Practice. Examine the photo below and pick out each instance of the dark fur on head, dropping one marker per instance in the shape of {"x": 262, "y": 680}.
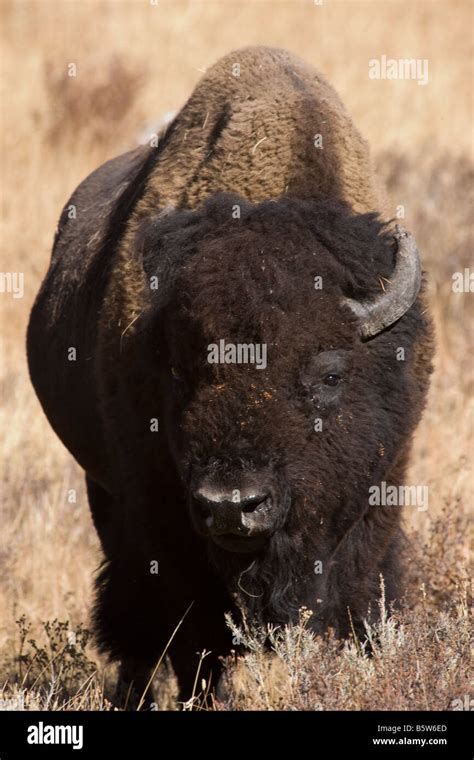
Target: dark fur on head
{"x": 252, "y": 279}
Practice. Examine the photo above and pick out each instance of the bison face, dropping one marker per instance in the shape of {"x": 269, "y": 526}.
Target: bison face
{"x": 277, "y": 413}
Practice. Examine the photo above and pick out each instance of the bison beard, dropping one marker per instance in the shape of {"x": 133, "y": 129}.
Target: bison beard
{"x": 300, "y": 532}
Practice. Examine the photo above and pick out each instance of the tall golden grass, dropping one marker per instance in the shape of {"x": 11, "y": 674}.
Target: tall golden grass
{"x": 136, "y": 61}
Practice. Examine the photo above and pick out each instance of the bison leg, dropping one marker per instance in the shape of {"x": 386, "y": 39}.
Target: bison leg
{"x": 204, "y": 631}
{"x": 132, "y": 691}
{"x": 133, "y": 675}
{"x": 190, "y": 673}
{"x": 136, "y": 612}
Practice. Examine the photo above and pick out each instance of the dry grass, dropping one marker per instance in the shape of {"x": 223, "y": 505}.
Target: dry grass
{"x": 134, "y": 63}
{"x": 413, "y": 660}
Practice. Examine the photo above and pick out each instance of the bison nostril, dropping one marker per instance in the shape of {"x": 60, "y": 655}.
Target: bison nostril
{"x": 220, "y": 511}
{"x": 252, "y": 503}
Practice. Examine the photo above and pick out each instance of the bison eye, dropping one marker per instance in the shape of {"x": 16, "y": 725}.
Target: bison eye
{"x": 332, "y": 379}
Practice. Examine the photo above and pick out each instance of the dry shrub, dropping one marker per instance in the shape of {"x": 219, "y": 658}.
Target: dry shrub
{"x": 437, "y": 564}
{"x": 53, "y": 670}
{"x": 412, "y": 660}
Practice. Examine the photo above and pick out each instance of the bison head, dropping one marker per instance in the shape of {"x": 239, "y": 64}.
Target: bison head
{"x": 284, "y": 334}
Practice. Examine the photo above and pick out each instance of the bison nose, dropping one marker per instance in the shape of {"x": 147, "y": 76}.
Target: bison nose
{"x": 240, "y": 512}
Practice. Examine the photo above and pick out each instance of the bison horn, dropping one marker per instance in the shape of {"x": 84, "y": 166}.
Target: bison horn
{"x": 374, "y": 316}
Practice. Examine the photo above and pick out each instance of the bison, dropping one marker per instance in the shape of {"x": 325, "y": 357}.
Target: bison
{"x": 232, "y": 341}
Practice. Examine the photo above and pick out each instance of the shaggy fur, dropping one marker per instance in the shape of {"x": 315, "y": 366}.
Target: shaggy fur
{"x": 241, "y": 142}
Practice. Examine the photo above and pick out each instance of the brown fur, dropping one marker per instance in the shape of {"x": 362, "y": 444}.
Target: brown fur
{"x": 264, "y": 150}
